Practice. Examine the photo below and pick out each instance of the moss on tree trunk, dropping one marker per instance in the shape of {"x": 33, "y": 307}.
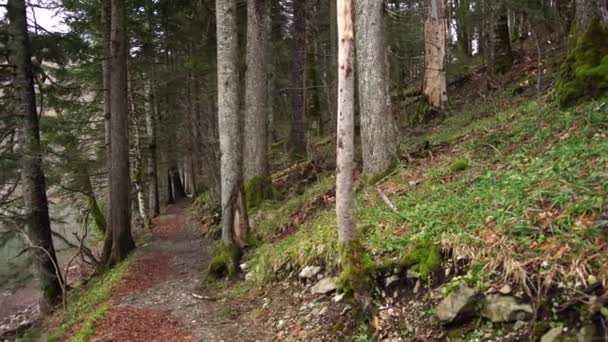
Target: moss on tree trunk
{"x": 584, "y": 72}
{"x": 357, "y": 268}
{"x": 259, "y": 189}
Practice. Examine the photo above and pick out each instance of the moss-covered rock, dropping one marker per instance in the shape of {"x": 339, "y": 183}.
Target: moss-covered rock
{"x": 259, "y": 189}
{"x": 226, "y": 262}
{"x": 459, "y": 165}
{"x": 423, "y": 257}
{"x": 584, "y": 72}
{"x": 357, "y": 268}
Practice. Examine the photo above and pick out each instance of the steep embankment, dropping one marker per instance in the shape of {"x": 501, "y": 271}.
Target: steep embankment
{"x": 509, "y": 196}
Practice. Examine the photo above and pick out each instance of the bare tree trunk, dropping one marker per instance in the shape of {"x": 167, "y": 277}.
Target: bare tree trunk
{"x": 120, "y": 214}
{"x": 228, "y": 123}
{"x": 378, "y": 130}
{"x": 36, "y": 211}
{"x": 139, "y": 177}
{"x": 297, "y": 135}
{"x": 256, "y": 93}
{"x": 587, "y": 11}
{"x": 434, "y": 85}
{"x": 347, "y": 231}
{"x": 91, "y": 201}
{"x": 151, "y": 118}
{"x": 178, "y": 187}
{"x": 501, "y": 41}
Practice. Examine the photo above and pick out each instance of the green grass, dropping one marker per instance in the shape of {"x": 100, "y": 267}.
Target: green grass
{"x": 533, "y": 173}
{"x": 84, "y": 306}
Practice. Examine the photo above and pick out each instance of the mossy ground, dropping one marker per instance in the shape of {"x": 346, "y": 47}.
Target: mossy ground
{"x": 259, "y": 189}
{"x": 357, "y": 268}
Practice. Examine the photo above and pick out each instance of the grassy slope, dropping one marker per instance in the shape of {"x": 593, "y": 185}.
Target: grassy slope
{"x": 529, "y": 202}
{"x": 85, "y": 306}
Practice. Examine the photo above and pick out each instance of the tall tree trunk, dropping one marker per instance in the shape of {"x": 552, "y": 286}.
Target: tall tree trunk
{"x": 297, "y": 135}
{"x": 347, "y": 231}
{"x": 106, "y": 29}
{"x": 151, "y": 117}
{"x": 170, "y": 198}
{"x": 229, "y": 127}
{"x": 139, "y": 176}
{"x": 434, "y": 85}
{"x": 33, "y": 187}
{"x": 378, "y": 130}
{"x": 587, "y": 11}
{"x": 501, "y": 42}
{"x": 178, "y": 187}
{"x": 120, "y": 214}
{"x": 256, "y": 167}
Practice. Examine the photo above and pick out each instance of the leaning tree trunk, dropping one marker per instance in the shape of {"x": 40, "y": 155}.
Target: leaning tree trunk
{"x": 297, "y": 135}
{"x": 378, "y": 131}
{"x": 256, "y": 170}
{"x": 36, "y": 211}
{"x": 434, "y": 86}
{"x": 120, "y": 214}
{"x": 347, "y": 231}
{"x": 233, "y": 226}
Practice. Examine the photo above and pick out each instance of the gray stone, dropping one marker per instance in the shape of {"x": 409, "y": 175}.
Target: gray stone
{"x": 458, "y": 303}
{"x": 391, "y": 280}
{"x": 499, "y": 308}
{"x": 309, "y": 272}
{"x": 338, "y": 297}
{"x": 588, "y": 333}
{"x": 505, "y": 289}
{"x": 324, "y": 286}
{"x": 552, "y": 335}
{"x": 411, "y": 274}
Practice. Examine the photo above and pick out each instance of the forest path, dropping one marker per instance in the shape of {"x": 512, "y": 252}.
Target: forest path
{"x": 161, "y": 298}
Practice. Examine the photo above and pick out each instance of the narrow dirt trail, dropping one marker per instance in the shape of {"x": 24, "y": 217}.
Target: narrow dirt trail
{"x": 161, "y": 298}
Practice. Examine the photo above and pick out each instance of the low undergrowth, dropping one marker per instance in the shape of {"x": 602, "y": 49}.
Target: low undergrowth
{"x": 521, "y": 193}
{"x": 84, "y": 307}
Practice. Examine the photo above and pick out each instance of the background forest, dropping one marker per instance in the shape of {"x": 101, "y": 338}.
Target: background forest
{"x": 381, "y": 170}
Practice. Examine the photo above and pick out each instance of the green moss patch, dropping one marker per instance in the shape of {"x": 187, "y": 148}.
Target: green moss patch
{"x": 259, "y": 189}
{"x": 226, "y": 261}
{"x": 584, "y": 72}
{"x": 423, "y": 257}
{"x": 357, "y": 268}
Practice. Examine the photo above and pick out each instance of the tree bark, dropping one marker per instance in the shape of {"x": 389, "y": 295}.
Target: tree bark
{"x": 297, "y": 135}
{"x": 434, "y": 86}
{"x": 36, "y": 211}
{"x": 178, "y": 187}
{"x": 229, "y": 123}
{"x": 151, "y": 117}
{"x": 106, "y": 28}
{"x": 256, "y": 91}
{"x": 346, "y": 125}
{"x": 120, "y": 214}
{"x": 501, "y": 42}
{"x": 378, "y": 130}
{"x": 587, "y": 11}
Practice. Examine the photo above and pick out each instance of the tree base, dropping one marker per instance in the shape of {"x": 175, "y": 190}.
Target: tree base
{"x": 259, "y": 189}
{"x": 226, "y": 262}
{"x": 357, "y": 269}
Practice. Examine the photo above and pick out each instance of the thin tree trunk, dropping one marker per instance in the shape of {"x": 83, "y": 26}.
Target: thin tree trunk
{"x": 106, "y": 28}
{"x": 297, "y": 135}
{"x": 378, "y": 130}
{"x": 170, "y": 198}
{"x": 120, "y": 214}
{"x": 178, "y": 187}
{"x": 151, "y": 118}
{"x": 256, "y": 91}
{"x": 347, "y": 232}
{"x": 33, "y": 187}
{"x": 434, "y": 85}
{"x": 91, "y": 201}
{"x": 228, "y": 123}
{"x": 501, "y": 41}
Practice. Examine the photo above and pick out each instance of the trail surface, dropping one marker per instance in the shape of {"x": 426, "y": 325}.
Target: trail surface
{"x": 161, "y": 298}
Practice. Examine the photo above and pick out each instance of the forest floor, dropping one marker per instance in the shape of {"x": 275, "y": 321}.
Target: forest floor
{"x": 160, "y": 298}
